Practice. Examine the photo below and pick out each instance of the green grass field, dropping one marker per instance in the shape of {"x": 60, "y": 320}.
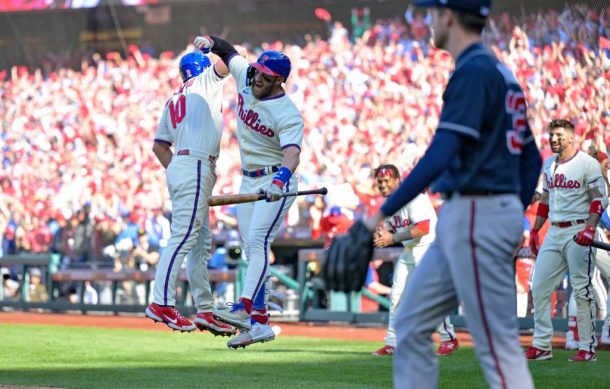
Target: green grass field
{"x": 74, "y": 357}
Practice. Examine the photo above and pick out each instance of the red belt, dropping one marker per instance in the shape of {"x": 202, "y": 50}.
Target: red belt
{"x": 568, "y": 224}
{"x": 197, "y": 154}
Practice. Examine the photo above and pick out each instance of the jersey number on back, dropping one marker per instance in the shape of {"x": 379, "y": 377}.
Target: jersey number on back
{"x": 177, "y": 110}
{"x": 516, "y": 107}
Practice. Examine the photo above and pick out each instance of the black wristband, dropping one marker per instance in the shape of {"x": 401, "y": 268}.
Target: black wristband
{"x": 223, "y": 49}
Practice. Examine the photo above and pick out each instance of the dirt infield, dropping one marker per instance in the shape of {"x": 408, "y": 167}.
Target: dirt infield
{"x": 313, "y": 330}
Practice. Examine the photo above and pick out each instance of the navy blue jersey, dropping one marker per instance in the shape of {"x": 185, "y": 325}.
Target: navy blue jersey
{"x": 484, "y": 103}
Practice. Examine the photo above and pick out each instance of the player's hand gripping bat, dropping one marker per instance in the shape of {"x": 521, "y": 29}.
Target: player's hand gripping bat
{"x": 249, "y": 197}
{"x": 598, "y": 245}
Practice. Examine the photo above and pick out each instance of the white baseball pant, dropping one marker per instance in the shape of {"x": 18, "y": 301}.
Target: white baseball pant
{"x": 190, "y": 182}
{"x": 558, "y": 254}
{"x": 403, "y": 269}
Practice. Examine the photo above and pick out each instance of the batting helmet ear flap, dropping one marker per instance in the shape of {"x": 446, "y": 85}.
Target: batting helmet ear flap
{"x": 250, "y": 75}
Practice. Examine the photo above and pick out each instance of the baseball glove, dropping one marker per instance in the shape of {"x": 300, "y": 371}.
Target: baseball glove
{"x": 347, "y": 259}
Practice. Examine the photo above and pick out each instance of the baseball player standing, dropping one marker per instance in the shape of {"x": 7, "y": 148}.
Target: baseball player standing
{"x": 602, "y": 258}
{"x": 192, "y": 122}
{"x": 413, "y": 226}
{"x": 484, "y": 160}
{"x": 270, "y": 132}
{"x": 573, "y": 199}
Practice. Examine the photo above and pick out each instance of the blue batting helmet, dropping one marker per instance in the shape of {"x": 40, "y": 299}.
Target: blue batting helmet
{"x": 273, "y": 63}
{"x": 193, "y": 64}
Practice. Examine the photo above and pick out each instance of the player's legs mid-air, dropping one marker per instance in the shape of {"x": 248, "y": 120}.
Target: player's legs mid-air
{"x": 190, "y": 181}
{"x": 258, "y": 223}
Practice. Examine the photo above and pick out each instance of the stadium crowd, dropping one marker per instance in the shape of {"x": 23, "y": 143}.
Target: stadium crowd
{"x": 78, "y": 175}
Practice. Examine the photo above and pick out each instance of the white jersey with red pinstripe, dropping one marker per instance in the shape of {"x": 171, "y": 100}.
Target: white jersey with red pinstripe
{"x": 567, "y": 184}
{"x": 192, "y": 117}
{"x": 192, "y": 122}
{"x": 420, "y": 209}
{"x": 264, "y": 129}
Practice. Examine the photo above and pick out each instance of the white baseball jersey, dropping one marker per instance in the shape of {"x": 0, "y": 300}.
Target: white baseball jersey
{"x": 191, "y": 120}
{"x": 568, "y": 183}
{"x": 418, "y": 210}
{"x": 264, "y": 127}
{"x": 194, "y": 123}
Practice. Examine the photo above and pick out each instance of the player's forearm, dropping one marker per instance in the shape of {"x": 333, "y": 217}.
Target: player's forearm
{"x": 539, "y": 222}
{"x": 163, "y": 153}
{"x": 593, "y": 219}
{"x": 401, "y": 236}
{"x": 292, "y": 158}
{"x": 223, "y": 49}
{"x": 415, "y": 232}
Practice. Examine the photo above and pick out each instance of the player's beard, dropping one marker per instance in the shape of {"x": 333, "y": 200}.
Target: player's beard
{"x": 262, "y": 91}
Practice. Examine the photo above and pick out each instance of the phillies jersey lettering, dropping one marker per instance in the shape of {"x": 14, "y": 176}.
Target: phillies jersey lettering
{"x": 418, "y": 210}
{"x": 396, "y": 222}
{"x": 560, "y": 181}
{"x": 568, "y": 182}
{"x": 264, "y": 127}
{"x": 250, "y": 119}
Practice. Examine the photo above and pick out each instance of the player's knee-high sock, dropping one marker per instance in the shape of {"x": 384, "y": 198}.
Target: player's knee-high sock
{"x": 259, "y": 310}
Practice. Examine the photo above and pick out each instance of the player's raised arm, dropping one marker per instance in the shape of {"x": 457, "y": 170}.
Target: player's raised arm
{"x": 216, "y": 45}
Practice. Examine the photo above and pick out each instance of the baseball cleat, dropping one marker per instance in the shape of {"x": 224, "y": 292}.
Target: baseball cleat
{"x": 260, "y": 333}
{"x": 236, "y": 316}
{"x": 386, "y": 350}
{"x": 536, "y": 354}
{"x": 447, "y": 348}
{"x": 170, "y": 316}
{"x": 583, "y": 356}
{"x": 205, "y": 321}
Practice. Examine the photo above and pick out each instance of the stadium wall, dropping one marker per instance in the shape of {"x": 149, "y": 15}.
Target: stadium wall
{"x": 27, "y": 38}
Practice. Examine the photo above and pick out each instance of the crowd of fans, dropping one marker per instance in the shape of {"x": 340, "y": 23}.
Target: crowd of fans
{"x": 78, "y": 176}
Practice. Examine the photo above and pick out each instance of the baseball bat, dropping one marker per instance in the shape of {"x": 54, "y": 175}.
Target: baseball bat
{"x": 601, "y": 245}
{"x": 249, "y": 197}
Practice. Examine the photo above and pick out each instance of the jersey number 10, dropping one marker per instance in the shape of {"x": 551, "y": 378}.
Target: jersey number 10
{"x": 177, "y": 110}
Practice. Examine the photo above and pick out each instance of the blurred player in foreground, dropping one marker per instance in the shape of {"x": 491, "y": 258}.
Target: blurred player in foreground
{"x": 484, "y": 160}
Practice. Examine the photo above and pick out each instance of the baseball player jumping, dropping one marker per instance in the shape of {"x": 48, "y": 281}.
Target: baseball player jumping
{"x": 270, "y": 132}
{"x": 413, "y": 226}
{"x": 573, "y": 199}
{"x": 192, "y": 122}
{"x": 484, "y": 160}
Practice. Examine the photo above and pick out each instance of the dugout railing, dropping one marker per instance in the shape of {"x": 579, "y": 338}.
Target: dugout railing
{"x": 55, "y": 278}
{"x": 308, "y": 286}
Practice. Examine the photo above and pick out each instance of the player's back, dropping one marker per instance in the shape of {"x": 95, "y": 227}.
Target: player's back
{"x": 193, "y": 115}
{"x": 489, "y": 107}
